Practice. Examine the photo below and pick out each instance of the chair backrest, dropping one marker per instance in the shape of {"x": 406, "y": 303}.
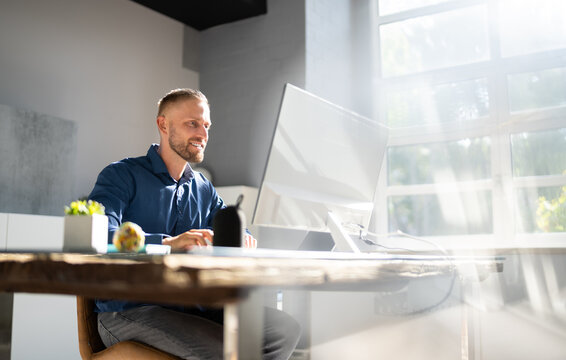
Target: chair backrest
{"x": 89, "y": 340}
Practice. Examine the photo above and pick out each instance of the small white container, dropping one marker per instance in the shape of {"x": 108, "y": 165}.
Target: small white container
{"x": 86, "y": 233}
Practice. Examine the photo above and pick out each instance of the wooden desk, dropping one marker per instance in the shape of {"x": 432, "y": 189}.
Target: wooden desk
{"x": 215, "y": 279}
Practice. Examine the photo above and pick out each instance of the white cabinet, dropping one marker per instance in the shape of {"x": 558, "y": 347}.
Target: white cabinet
{"x": 34, "y": 232}
{"x": 3, "y": 231}
{"x": 43, "y": 326}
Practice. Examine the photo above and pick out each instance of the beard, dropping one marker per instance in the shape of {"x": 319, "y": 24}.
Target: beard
{"x": 185, "y": 150}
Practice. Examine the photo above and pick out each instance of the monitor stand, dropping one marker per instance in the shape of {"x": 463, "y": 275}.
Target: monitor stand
{"x": 342, "y": 241}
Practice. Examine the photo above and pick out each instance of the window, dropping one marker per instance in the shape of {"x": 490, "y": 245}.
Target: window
{"x": 541, "y": 158}
{"x": 474, "y": 93}
{"x": 537, "y": 90}
{"x": 528, "y": 26}
{"x": 434, "y": 41}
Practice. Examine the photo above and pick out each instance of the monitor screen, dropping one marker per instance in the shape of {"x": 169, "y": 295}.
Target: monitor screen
{"x": 323, "y": 159}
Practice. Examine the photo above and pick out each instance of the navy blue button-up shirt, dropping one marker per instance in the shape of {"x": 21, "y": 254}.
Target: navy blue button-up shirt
{"x": 141, "y": 190}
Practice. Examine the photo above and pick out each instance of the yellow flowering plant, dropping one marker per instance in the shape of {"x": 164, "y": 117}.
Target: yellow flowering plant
{"x": 84, "y": 207}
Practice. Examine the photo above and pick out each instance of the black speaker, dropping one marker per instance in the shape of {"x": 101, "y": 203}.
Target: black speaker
{"x": 229, "y": 225}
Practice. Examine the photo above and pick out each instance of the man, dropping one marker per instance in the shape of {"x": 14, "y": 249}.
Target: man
{"x": 174, "y": 206}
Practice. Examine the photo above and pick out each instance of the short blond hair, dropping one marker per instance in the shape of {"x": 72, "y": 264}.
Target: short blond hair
{"x": 176, "y": 95}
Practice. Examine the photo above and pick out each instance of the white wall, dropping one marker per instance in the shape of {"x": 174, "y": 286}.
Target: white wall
{"x": 50, "y": 320}
{"x": 101, "y": 63}
{"x": 48, "y": 323}
{"x": 339, "y": 52}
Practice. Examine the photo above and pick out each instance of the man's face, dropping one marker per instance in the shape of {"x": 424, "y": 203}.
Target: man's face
{"x": 189, "y": 121}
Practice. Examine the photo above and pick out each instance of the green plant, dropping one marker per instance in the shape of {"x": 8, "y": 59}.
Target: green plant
{"x": 84, "y": 207}
{"x": 551, "y": 214}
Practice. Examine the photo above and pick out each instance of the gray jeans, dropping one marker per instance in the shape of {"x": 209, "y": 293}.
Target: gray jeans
{"x": 193, "y": 334}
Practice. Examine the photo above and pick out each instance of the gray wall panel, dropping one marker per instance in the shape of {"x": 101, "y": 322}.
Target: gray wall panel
{"x": 37, "y": 157}
{"x": 243, "y": 68}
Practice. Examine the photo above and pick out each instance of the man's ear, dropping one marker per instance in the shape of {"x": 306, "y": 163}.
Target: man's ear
{"x": 162, "y": 124}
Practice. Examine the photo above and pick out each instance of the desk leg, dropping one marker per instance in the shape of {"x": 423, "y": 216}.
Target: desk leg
{"x": 6, "y": 310}
{"x": 471, "y": 327}
{"x": 243, "y": 328}
{"x": 467, "y": 334}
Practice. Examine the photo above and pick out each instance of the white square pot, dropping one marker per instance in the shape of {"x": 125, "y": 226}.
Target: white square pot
{"x": 86, "y": 233}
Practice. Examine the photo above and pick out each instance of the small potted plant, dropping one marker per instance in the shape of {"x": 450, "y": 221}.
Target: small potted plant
{"x": 86, "y": 227}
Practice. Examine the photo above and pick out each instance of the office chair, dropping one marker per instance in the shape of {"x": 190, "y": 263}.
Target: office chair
{"x": 91, "y": 346}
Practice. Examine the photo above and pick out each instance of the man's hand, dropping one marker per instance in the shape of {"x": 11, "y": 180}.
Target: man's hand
{"x": 190, "y": 239}
{"x": 201, "y": 237}
{"x": 249, "y": 242}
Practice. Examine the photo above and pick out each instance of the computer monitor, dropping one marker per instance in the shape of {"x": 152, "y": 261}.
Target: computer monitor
{"x": 322, "y": 169}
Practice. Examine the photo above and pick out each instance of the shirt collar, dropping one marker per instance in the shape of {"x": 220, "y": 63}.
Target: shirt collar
{"x": 188, "y": 174}
{"x": 159, "y": 167}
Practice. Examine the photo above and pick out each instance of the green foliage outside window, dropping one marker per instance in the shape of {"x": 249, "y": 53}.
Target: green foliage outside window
{"x": 551, "y": 213}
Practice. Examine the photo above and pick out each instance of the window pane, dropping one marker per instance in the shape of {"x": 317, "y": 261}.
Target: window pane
{"x": 536, "y": 90}
{"x": 539, "y": 153}
{"x": 457, "y": 101}
{"x": 467, "y": 159}
{"x": 542, "y": 209}
{"x": 394, "y": 6}
{"x": 435, "y": 41}
{"x": 528, "y": 26}
{"x": 442, "y": 214}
